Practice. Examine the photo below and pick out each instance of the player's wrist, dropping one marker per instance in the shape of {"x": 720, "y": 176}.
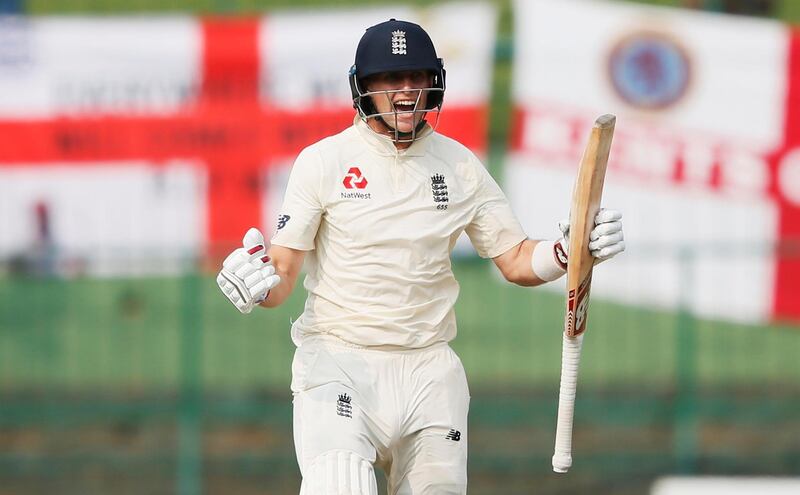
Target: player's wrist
{"x": 549, "y": 260}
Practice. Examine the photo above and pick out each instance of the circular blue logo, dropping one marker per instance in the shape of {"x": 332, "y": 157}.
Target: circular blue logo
{"x": 649, "y": 70}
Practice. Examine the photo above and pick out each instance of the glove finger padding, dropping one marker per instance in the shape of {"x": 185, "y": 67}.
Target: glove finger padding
{"x": 253, "y": 242}
{"x": 258, "y": 280}
{"x": 235, "y": 260}
{"x": 604, "y": 229}
{"x": 261, "y": 261}
{"x": 606, "y": 240}
{"x": 263, "y": 285}
{"x": 245, "y": 270}
{"x": 253, "y": 237}
{"x": 605, "y": 216}
{"x": 609, "y": 251}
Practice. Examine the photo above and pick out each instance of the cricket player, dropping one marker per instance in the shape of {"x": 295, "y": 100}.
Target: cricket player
{"x": 374, "y": 212}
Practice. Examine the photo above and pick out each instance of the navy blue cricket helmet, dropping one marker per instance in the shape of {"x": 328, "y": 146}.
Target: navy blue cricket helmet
{"x": 394, "y": 46}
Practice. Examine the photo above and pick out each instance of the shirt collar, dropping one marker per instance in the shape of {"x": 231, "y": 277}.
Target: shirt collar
{"x": 383, "y": 145}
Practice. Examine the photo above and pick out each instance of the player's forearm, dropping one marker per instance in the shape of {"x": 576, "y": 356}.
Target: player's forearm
{"x": 287, "y": 263}
{"x": 515, "y": 264}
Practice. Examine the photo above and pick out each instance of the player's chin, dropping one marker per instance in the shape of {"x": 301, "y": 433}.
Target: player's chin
{"x": 401, "y": 127}
{"x": 408, "y": 123}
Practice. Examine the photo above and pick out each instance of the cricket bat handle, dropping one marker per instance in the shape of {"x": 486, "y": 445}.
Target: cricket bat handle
{"x": 570, "y": 358}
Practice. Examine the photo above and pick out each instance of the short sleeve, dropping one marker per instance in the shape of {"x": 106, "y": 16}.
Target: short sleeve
{"x": 300, "y": 214}
{"x": 494, "y": 229}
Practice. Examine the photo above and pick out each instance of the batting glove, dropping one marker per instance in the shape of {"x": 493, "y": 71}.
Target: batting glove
{"x": 605, "y": 240}
{"x": 247, "y": 273}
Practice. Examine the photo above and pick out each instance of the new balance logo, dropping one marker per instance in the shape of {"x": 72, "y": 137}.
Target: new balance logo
{"x": 343, "y": 406}
{"x": 282, "y": 219}
{"x": 453, "y": 435}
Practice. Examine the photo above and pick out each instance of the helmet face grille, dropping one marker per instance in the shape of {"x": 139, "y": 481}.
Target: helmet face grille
{"x": 395, "y": 46}
{"x": 366, "y": 110}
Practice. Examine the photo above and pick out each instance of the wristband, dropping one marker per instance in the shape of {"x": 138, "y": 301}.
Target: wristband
{"x": 546, "y": 261}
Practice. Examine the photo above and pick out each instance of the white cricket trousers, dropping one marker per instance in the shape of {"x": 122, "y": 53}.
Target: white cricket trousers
{"x": 404, "y": 411}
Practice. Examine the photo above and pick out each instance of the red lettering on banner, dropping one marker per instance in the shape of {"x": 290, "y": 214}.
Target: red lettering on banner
{"x": 230, "y": 130}
{"x": 655, "y": 155}
{"x": 648, "y": 154}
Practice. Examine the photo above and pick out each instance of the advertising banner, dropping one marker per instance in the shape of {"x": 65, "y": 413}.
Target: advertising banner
{"x": 228, "y": 102}
{"x": 706, "y": 157}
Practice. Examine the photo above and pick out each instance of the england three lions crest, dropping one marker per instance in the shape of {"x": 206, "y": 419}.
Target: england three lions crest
{"x": 439, "y": 191}
{"x": 398, "y": 42}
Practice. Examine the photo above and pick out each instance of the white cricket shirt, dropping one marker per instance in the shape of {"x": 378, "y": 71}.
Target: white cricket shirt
{"x": 380, "y": 225}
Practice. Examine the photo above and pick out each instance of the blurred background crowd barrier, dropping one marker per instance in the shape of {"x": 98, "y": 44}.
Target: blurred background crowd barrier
{"x": 139, "y": 141}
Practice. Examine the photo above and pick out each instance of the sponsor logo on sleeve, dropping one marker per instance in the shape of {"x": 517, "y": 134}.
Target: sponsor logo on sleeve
{"x": 282, "y": 220}
{"x": 453, "y": 435}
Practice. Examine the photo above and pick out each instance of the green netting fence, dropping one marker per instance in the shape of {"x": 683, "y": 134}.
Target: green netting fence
{"x": 157, "y": 385}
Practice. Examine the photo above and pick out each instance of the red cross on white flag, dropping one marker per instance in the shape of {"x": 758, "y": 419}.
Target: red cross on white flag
{"x": 160, "y": 132}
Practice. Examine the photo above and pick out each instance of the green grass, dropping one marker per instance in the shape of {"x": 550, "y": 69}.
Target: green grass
{"x": 155, "y": 333}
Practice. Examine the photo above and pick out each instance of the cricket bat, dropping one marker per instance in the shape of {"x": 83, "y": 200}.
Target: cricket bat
{"x": 585, "y": 203}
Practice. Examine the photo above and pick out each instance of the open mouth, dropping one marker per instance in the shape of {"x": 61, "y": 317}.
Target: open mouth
{"x": 404, "y": 105}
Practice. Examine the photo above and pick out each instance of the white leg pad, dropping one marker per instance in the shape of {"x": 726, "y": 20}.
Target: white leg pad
{"x": 339, "y": 472}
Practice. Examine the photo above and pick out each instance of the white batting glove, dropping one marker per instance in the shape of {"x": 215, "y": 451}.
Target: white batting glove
{"x": 247, "y": 273}
{"x": 605, "y": 240}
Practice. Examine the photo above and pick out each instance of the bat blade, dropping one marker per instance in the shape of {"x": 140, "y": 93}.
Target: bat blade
{"x": 586, "y": 198}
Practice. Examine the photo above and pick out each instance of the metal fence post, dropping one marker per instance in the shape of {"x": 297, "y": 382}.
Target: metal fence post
{"x": 685, "y": 420}
{"x": 189, "y": 475}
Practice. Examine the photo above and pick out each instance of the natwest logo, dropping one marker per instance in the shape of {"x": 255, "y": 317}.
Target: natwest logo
{"x": 353, "y": 179}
